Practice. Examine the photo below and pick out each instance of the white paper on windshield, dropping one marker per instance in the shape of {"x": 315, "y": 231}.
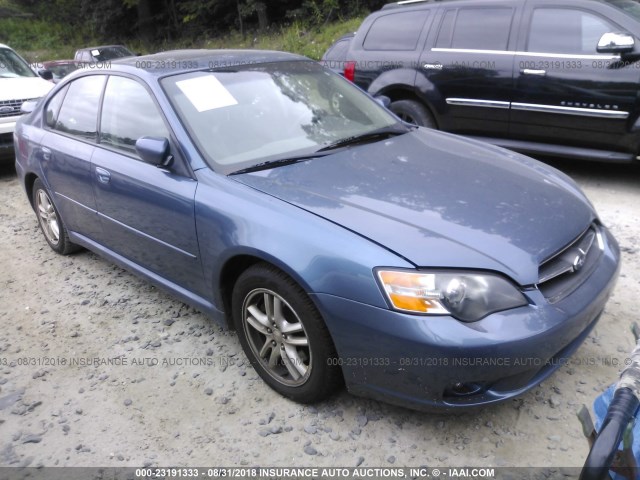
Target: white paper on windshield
{"x": 206, "y": 93}
{"x": 95, "y": 53}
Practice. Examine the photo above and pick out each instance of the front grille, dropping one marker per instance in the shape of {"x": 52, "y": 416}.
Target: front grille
{"x": 11, "y": 108}
{"x": 567, "y": 270}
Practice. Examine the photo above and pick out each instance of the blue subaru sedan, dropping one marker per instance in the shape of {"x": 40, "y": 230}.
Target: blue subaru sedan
{"x": 344, "y": 246}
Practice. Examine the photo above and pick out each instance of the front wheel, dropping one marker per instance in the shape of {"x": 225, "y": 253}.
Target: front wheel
{"x": 284, "y": 336}
{"x": 51, "y": 224}
{"x": 413, "y": 112}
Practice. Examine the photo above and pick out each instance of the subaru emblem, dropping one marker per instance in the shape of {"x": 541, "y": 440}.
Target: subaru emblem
{"x": 578, "y": 261}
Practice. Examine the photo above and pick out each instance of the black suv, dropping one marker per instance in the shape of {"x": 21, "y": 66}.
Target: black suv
{"x": 539, "y": 76}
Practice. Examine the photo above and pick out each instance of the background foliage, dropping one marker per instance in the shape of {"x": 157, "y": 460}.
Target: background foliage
{"x": 50, "y": 29}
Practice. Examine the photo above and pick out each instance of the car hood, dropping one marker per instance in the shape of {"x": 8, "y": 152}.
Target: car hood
{"x": 23, "y": 88}
{"x": 439, "y": 200}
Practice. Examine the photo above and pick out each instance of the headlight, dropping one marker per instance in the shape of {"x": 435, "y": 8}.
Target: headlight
{"x": 467, "y": 296}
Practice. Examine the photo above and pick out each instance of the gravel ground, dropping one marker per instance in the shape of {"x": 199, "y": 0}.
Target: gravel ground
{"x": 187, "y": 397}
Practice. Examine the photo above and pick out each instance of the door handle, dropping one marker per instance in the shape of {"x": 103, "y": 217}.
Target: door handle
{"x": 46, "y": 153}
{"x": 528, "y": 71}
{"x": 103, "y": 175}
{"x": 432, "y": 66}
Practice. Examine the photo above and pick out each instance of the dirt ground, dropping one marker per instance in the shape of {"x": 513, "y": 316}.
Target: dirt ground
{"x": 186, "y": 396}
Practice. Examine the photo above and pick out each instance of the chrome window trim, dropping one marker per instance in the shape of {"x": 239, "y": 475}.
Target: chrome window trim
{"x": 528, "y": 54}
{"x": 586, "y": 112}
{"x": 471, "y": 102}
{"x": 569, "y": 55}
{"x": 469, "y": 50}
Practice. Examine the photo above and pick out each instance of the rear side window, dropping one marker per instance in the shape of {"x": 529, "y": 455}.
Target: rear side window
{"x": 339, "y": 50}
{"x": 563, "y": 30}
{"x": 79, "y": 112}
{"x": 396, "y": 31}
{"x": 475, "y": 28}
{"x": 128, "y": 113}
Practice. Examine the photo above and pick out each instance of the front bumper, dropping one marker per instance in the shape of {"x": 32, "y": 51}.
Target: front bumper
{"x": 7, "y": 125}
{"x": 439, "y": 363}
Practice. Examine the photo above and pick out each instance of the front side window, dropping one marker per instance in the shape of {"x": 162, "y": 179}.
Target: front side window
{"x": 475, "y": 29}
{"x": 397, "y": 31}
{"x": 446, "y": 29}
{"x": 13, "y": 66}
{"x": 630, "y": 7}
{"x": 568, "y": 31}
{"x": 128, "y": 113}
{"x": 256, "y": 113}
{"x": 79, "y": 112}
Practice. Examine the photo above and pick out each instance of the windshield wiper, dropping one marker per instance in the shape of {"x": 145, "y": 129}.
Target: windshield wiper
{"x": 326, "y": 150}
{"x": 365, "y": 137}
{"x": 279, "y": 162}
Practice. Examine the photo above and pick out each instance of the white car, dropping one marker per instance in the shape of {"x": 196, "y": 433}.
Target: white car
{"x": 18, "y": 83}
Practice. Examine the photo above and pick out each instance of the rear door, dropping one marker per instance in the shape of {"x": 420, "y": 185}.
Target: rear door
{"x": 147, "y": 213}
{"x": 468, "y": 63}
{"x": 66, "y": 152}
{"x": 566, "y": 92}
{"x": 386, "y": 49}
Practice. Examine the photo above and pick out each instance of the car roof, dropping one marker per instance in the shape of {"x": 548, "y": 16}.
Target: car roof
{"x": 58, "y": 62}
{"x": 419, "y": 3}
{"x": 408, "y": 3}
{"x": 180, "y": 61}
{"x": 102, "y": 46}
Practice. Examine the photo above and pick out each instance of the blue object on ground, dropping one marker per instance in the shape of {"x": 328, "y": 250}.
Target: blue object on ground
{"x": 600, "y": 407}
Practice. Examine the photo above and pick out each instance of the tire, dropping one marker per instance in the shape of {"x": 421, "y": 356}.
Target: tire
{"x": 413, "y": 112}
{"x": 50, "y": 221}
{"x": 309, "y": 371}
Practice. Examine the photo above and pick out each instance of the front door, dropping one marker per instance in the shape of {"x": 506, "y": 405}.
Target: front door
{"x": 147, "y": 213}
{"x": 566, "y": 92}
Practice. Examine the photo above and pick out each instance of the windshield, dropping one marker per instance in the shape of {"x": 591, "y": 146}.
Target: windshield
{"x": 13, "y": 66}
{"x": 631, "y": 7}
{"x": 61, "y": 70}
{"x": 110, "y": 53}
{"x": 258, "y": 113}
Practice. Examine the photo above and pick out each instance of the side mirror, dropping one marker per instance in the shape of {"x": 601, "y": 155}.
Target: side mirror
{"x": 154, "y": 151}
{"x": 383, "y": 100}
{"x": 615, "y": 43}
{"x": 46, "y": 74}
{"x": 28, "y": 106}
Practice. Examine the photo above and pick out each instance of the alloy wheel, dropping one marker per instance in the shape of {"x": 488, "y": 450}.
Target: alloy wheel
{"x": 277, "y": 337}
{"x": 47, "y": 217}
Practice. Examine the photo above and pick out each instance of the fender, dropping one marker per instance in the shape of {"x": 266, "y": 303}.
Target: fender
{"x": 396, "y": 84}
{"x": 398, "y": 78}
{"x": 222, "y": 207}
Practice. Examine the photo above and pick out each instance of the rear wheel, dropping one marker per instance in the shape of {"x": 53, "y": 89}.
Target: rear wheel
{"x": 413, "y": 112}
{"x": 284, "y": 336}
{"x": 51, "y": 224}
